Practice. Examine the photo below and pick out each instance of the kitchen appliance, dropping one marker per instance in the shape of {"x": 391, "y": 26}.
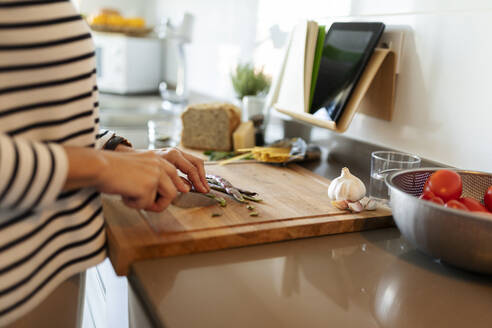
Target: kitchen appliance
{"x": 177, "y": 35}
{"x": 126, "y": 64}
{"x": 454, "y": 236}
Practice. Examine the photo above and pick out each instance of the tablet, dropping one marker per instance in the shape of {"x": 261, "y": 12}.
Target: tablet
{"x": 346, "y": 51}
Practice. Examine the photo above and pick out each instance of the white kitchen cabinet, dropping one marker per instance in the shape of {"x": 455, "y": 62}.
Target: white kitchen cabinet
{"x": 106, "y": 298}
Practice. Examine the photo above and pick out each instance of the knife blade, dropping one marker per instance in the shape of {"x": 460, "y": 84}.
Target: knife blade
{"x": 193, "y": 199}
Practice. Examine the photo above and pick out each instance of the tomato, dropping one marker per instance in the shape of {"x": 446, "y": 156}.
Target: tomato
{"x": 427, "y": 195}
{"x": 437, "y": 200}
{"x": 446, "y": 184}
{"x": 487, "y": 199}
{"x": 472, "y": 204}
{"x": 453, "y": 203}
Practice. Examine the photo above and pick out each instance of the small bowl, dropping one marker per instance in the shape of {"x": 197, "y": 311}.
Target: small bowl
{"x": 457, "y": 237}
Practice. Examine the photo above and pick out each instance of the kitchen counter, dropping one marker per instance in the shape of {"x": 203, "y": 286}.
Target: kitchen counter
{"x": 367, "y": 279}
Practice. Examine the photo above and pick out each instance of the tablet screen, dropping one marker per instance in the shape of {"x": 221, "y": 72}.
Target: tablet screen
{"x": 345, "y": 54}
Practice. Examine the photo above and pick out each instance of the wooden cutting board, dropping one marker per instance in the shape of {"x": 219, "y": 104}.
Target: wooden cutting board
{"x": 295, "y": 205}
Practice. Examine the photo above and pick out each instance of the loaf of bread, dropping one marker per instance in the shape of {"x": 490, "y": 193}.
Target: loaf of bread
{"x": 209, "y": 126}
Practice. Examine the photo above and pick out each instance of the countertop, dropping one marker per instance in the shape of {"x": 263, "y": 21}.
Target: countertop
{"x": 367, "y": 279}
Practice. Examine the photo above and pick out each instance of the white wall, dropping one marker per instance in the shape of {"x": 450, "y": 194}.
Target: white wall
{"x": 443, "y": 104}
{"x": 443, "y": 110}
{"x": 223, "y": 31}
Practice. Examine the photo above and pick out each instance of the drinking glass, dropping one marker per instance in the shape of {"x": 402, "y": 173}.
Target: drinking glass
{"x": 385, "y": 162}
{"x": 164, "y": 133}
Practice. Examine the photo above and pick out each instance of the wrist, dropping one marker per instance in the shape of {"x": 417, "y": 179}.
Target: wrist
{"x": 124, "y": 148}
{"x": 103, "y": 164}
{"x": 116, "y": 141}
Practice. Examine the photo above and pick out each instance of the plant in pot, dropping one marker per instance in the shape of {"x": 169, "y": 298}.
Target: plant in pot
{"x": 251, "y": 86}
{"x": 249, "y": 81}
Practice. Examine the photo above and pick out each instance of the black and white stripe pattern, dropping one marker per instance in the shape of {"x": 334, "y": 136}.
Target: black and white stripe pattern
{"x": 48, "y": 99}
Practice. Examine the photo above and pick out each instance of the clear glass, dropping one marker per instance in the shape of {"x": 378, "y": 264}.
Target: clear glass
{"x": 165, "y": 132}
{"x": 384, "y": 162}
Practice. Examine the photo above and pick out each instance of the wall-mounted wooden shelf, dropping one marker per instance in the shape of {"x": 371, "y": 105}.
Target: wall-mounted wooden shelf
{"x": 374, "y": 94}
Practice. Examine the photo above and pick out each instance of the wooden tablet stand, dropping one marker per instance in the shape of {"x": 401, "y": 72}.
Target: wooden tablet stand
{"x": 373, "y": 95}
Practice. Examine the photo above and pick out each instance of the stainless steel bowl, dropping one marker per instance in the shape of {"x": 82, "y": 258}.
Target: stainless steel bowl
{"x": 460, "y": 238}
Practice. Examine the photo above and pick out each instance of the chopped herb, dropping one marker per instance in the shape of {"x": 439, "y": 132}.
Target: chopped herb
{"x": 216, "y": 214}
{"x": 250, "y": 156}
{"x": 253, "y": 214}
{"x": 214, "y": 155}
{"x": 250, "y": 207}
{"x": 222, "y": 202}
{"x": 253, "y": 198}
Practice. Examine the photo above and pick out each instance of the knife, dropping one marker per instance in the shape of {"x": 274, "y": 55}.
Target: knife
{"x": 193, "y": 199}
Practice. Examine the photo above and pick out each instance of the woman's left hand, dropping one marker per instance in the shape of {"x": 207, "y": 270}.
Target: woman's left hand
{"x": 190, "y": 165}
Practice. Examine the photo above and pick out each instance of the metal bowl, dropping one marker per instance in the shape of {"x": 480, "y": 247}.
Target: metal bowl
{"x": 457, "y": 237}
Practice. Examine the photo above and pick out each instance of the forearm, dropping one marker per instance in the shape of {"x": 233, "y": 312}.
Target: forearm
{"x": 85, "y": 167}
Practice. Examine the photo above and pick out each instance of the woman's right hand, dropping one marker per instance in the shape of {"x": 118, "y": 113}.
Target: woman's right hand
{"x": 144, "y": 179}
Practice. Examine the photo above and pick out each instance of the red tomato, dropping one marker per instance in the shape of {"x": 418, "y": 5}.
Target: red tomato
{"x": 472, "y": 204}
{"x": 437, "y": 200}
{"x": 487, "y": 199}
{"x": 427, "y": 195}
{"x": 453, "y": 203}
{"x": 446, "y": 184}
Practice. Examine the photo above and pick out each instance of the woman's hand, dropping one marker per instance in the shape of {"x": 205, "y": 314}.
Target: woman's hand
{"x": 145, "y": 180}
{"x": 191, "y": 165}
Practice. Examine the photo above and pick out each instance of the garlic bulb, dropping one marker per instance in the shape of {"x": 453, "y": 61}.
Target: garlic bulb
{"x": 346, "y": 187}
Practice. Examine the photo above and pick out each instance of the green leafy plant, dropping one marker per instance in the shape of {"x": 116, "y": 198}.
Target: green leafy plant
{"x": 248, "y": 81}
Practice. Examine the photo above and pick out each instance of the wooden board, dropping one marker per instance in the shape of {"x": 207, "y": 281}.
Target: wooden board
{"x": 295, "y": 205}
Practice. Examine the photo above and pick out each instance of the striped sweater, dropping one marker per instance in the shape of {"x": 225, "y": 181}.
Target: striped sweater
{"x": 48, "y": 98}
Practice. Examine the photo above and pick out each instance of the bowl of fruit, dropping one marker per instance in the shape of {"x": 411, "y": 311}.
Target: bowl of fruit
{"x": 446, "y": 213}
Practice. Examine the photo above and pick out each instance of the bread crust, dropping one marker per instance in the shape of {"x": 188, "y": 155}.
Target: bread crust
{"x": 204, "y": 127}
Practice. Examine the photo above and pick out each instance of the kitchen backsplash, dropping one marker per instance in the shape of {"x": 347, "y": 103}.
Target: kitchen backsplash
{"x": 443, "y": 108}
